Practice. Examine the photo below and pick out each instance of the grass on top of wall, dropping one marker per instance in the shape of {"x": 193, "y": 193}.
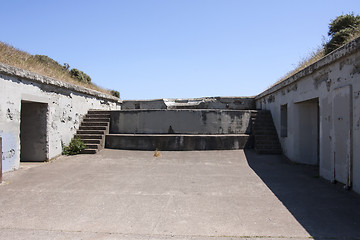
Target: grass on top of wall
{"x": 42, "y": 65}
{"x": 342, "y": 30}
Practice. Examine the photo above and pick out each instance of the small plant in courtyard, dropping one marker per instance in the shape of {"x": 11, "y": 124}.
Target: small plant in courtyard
{"x": 157, "y": 153}
{"x": 75, "y": 147}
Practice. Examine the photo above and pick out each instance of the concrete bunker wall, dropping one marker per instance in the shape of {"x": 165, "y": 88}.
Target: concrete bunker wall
{"x": 32, "y": 97}
{"x": 181, "y": 121}
{"x": 322, "y": 108}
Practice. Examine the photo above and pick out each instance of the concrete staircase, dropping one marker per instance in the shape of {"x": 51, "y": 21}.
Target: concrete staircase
{"x": 92, "y": 131}
{"x": 266, "y": 140}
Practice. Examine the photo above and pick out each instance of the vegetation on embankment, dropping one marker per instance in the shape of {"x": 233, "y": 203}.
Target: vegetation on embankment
{"x": 46, "y": 66}
{"x": 342, "y": 30}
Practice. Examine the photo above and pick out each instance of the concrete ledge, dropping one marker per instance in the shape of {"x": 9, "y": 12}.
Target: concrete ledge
{"x": 177, "y": 142}
{"x": 24, "y": 74}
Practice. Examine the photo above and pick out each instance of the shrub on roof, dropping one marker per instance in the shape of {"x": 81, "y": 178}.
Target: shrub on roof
{"x": 341, "y": 30}
{"x": 115, "y": 93}
{"x": 80, "y": 75}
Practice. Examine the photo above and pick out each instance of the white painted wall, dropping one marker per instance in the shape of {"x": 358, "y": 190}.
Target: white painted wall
{"x": 338, "y": 70}
{"x": 66, "y": 103}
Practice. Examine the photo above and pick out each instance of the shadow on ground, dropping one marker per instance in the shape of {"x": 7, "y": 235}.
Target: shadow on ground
{"x": 325, "y": 210}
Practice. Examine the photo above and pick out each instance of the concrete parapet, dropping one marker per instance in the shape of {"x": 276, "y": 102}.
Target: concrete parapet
{"x": 143, "y": 104}
{"x": 231, "y": 103}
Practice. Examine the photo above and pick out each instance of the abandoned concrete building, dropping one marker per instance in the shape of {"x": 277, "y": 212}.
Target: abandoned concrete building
{"x": 312, "y": 117}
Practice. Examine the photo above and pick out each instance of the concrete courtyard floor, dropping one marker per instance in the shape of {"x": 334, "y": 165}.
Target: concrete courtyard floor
{"x": 199, "y": 195}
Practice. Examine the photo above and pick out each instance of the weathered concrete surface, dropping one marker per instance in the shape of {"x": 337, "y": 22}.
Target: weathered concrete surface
{"x": 189, "y": 121}
{"x": 322, "y": 105}
{"x": 181, "y": 195}
{"x": 63, "y": 106}
{"x": 178, "y": 142}
{"x": 143, "y": 104}
{"x": 233, "y": 103}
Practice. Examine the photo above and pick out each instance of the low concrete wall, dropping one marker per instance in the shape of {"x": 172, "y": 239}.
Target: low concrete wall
{"x": 64, "y": 104}
{"x": 317, "y": 115}
{"x": 181, "y": 121}
{"x": 177, "y": 142}
{"x": 231, "y": 103}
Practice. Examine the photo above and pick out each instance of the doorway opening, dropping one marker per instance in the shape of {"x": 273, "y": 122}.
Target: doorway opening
{"x": 308, "y": 131}
{"x": 33, "y": 132}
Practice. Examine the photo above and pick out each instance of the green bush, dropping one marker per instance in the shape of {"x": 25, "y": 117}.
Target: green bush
{"x": 47, "y": 61}
{"x": 115, "y": 93}
{"x": 80, "y": 75}
{"x": 341, "y": 30}
{"x": 75, "y": 147}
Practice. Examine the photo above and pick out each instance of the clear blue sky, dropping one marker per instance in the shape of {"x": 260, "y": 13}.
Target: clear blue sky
{"x": 150, "y": 49}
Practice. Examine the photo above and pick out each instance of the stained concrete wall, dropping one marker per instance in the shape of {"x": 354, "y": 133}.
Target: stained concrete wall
{"x": 181, "y": 121}
{"x": 231, "y": 103}
{"x": 66, "y": 104}
{"x": 331, "y": 141}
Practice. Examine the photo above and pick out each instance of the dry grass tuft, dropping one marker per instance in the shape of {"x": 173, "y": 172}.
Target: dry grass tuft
{"x": 33, "y": 63}
{"x": 313, "y": 57}
{"x": 157, "y": 153}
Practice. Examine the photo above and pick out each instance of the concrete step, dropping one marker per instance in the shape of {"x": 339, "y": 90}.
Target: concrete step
{"x": 263, "y": 123}
{"x": 92, "y": 130}
{"x": 97, "y": 116}
{"x": 266, "y": 141}
{"x": 92, "y": 141}
{"x": 99, "y": 112}
{"x": 102, "y": 128}
{"x": 265, "y": 132}
{"x": 177, "y": 142}
{"x": 89, "y": 151}
{"x": 266, "y": 137}
{"x": 97, "y": 132}
{"x": 89, "y": 136}
{"x": 263, "y": 113}
{"x": 92, "y": 146}
{"x": 86, "y": 124}
{"x": 96, "y": 119}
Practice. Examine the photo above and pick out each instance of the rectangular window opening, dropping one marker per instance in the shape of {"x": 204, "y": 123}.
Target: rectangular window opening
{"x": 284, "y": 120}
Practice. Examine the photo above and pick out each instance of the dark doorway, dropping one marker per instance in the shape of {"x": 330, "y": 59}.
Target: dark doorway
{"x": 307, "y": 136}
{"x": 33, "y": 132}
